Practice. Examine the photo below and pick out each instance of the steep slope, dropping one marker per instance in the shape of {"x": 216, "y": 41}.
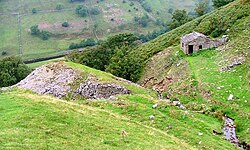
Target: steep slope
{"x": 232, "y": 19}
{"x": 205, "y": 81}
{"x": 125, "y": 122}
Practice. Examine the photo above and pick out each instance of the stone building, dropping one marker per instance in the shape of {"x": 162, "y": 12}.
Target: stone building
{"x": 195, "y": 41}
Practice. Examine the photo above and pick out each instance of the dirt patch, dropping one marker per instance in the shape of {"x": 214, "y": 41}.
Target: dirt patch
{"x": 113, "y": 13}
{"x": 74, "y": 26}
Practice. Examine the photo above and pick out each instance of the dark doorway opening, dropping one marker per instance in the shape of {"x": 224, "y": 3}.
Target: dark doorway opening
{"x": 190, "y": 49}
{"x": 200, "y": 47}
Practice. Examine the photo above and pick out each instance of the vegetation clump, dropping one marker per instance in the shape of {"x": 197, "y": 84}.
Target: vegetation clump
{"x": 83, "y": 44}
{"x": 100, "y": 57}
{"x": 81, "y": 10}
{"x": 59, "y": 6}
{"x": 12, "y": 70}
{"x": 65, "y": 24}
{"x": 44, "y": 35}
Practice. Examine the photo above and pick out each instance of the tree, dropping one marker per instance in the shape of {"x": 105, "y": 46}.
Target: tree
{"x": 34, "y": 30}
{"x": 37, "y": 32}
{"x": 81, "y": 11}
{"x": 179, "y": 17}
{"x": 45, "y": 35}
{"x": 123, "y": 67}
{"x": 12, "y": 70}
{"x": 99, "y": 57}
{"x": 219, "y": 3}
{"x": 202, "y": 7}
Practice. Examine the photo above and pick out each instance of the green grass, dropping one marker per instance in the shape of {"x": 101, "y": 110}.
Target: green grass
{"x": 206, "y": 70}
{"x": 38, "y": 64}
{"x": 36, "y": 121}
{"x": 34, "y": 47}
{"x": 197, "y": 78}
{"x": 9, "y": 35}
{"x": 41, "y": 122}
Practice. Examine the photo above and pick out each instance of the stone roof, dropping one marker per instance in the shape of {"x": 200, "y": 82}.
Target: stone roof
{"x": 191, "y": 36}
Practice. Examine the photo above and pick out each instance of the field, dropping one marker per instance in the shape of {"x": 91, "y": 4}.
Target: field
{"x": 17, "y": 18}
{"x": 42, "y": 121}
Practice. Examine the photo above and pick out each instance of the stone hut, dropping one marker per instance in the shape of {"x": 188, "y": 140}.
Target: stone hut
{"x": 195, "y": 41}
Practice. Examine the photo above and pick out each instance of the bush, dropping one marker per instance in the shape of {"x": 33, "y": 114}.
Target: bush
{"x": 81, "y": 11}
{"x": 59, "y": 6}
{"x": 34, "y": 30}
{"x": 219, "y": 3}
{"x": 82, "y": 44}
{"x": 34, "y": 11}
{"x": 37, "y": 32}
{"x": 12, "y": 70}
{"x": 4, "y": 53}
{"x": 45, "y": 35}
{"x": 65, "y": 24}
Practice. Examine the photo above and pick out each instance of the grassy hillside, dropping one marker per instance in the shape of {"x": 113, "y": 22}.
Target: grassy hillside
{"x": 234, "y": 17}
{"x": 197, "y": 80}
{"x": 16, "y": 38}
{"x": 43, "y": 122}
{"x": 31, "y": 120}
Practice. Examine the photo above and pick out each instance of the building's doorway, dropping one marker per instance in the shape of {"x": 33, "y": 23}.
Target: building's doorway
{"x": 190, "y": 49}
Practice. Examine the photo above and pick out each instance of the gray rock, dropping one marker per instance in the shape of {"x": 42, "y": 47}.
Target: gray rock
{"x": 152, "y": 117}
{"x": 230, "y": 97}
{"x": 155, "y": 106}
{"x": 56, "y": 79}
{"x": 94, "y": 90}
{"x": 235, "y": 62}
{"x": 229, "y": 130}
{"x": 176, "y": 103}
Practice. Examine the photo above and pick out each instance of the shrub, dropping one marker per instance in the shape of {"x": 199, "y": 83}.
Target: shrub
{"x": 65, "y": 24}
{"x": 81, "y": 11}
{"x": 219, "y": 3}
{"x": 34, "y": 10}
{"x": 37, "y": 32}
{"x": 34, "y": 30}
{"x": 82, "y": 44}
{"x": 4, "y": 53}
{"x": 59, "y": 6}
{"x": 12, "y": 70}
{"x": 45, "y": 35}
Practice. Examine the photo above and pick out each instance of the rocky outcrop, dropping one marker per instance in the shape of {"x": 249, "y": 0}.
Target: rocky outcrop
{"x": 54, "y": 79}
{"x": 57, "y": 79}
{"x": 94, "y": 90}
{"x": 235, "y": 62}
{"x": 229, "y": 130}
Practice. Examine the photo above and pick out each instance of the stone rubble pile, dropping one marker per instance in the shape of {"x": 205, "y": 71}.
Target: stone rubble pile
{"x": 57, "y": 79}
{"x": 236, "y": 61}
{"x": 229, "y": 131}
{"x": 54, "y": 79}
{"x": 94, "y": 90}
